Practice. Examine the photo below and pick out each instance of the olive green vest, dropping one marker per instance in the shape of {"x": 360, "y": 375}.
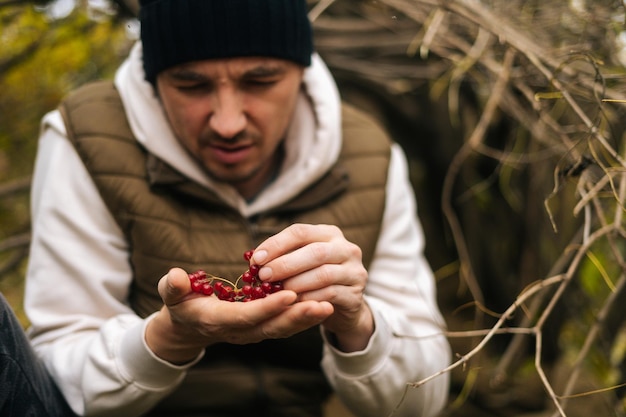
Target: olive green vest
{"x": 168, "y": 220}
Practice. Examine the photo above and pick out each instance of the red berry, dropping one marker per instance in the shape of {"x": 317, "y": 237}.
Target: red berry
{"x": 194, "y": 276}
{"x": 257, "y": 292}
{"x": 247, "y": 277}
{"x": 254, "y": 269}
{"x": 266, "y": 287}
{"x": 207, "y": 289}
{"x": 277, "y": 286}
{"x": 224, "y": 293}
{"x": 196, "y": 285}
{"x": 247, "y": 255}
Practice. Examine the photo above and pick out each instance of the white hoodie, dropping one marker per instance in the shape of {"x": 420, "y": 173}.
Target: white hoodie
{"x": 78, "y": 276}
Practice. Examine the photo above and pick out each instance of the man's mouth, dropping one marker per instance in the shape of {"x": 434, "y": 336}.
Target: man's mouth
{"x": 230, "y": 154}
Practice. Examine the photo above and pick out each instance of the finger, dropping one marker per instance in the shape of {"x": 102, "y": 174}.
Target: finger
{"x": 257, "y": 311}
{"x": 308, "y": 257}
{"x": 250, "y": 314}
{"x": 297, "y": 318}
{"x": 290, "y": 239}
{"x": 316, "y": 255}
{"x": 174, "y": 286}
{"x": 342, "y": 297}
{"x": 312, "y": 267}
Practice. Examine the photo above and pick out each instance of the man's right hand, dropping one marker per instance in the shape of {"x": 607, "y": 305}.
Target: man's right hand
{"x": 188, "y": 322}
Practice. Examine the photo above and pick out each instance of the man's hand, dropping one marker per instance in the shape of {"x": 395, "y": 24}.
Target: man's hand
{"x": 319, "y": 264}
{"x": 188, "y": 322}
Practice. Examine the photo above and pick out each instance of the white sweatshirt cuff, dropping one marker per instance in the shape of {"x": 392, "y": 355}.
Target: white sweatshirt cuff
{"x": 142, "y": 367}
{"x": 366, "y": 361}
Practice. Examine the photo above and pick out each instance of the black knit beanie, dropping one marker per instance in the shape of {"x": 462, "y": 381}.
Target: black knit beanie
{"x": 178, "y": 31}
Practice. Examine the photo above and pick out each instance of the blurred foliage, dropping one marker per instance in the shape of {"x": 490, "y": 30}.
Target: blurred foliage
{"x": 43, "y": 57}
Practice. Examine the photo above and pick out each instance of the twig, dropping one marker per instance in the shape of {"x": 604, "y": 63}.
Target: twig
{"x": 521, "y": 299}
{"x": 14, "y": 242}
{"x": 15, "y": 186}
{"x": 319, "y": 8}
{"x": 513, "y": 350}
{"x": 542, "y": 374}
{"x": 591, "y": 338}
{"x": 453, "y": 172}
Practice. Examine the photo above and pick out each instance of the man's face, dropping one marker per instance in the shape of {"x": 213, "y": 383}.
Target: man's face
{"x": 232, "y": 115}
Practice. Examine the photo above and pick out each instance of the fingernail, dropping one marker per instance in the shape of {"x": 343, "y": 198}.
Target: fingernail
{"x": 259, "y": 256}
{"x": 265, "y": 273}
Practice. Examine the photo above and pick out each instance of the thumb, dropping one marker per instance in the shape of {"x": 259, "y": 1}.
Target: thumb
{"x": 174, "y": 286}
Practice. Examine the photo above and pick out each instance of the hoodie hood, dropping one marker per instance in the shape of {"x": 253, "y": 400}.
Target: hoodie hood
{"x": 312, "y": 144}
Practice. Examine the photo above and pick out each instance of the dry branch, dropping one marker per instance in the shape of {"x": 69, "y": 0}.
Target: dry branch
{"x": 568, "y": 95}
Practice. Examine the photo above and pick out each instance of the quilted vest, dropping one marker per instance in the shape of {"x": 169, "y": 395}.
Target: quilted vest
{"x": 169, "y": 220}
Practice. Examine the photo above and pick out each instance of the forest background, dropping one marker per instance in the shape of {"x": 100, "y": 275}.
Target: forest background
{"x": 512, "y": 114}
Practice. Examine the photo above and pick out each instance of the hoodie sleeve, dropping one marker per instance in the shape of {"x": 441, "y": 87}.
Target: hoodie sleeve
{"x": 76, "y": 290}
{"x": 409, "y": 342}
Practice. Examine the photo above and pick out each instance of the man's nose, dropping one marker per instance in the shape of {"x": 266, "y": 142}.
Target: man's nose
{"x": 228, "y": 118}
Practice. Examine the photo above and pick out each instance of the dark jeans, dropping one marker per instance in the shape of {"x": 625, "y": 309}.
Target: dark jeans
{"x": 26, "y": 388}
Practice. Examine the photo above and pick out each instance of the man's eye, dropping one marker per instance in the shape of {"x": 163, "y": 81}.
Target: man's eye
{"x": 192, "y": 87}
{"x": 260, "y": 82}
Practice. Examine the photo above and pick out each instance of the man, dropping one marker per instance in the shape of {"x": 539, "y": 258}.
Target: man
{"x": 222, "y": 132}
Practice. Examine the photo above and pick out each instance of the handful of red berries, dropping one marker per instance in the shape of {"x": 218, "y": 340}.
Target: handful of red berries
{"x": 247, "y": 287}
